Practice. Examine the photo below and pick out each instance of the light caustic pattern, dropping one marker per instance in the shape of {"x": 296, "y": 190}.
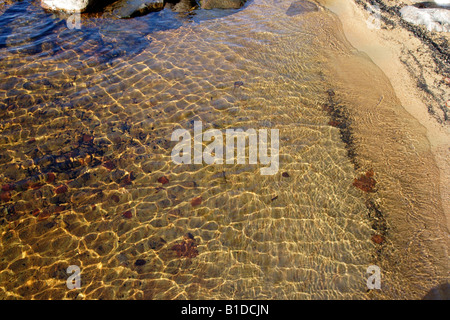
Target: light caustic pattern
{"x": 87, "y": 176}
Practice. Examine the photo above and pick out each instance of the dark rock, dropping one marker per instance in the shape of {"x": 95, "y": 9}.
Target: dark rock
{"x": 301, "y": 7}
{"x": 440, "y": 292}
{"x": 71, "y": 6}
{"x": 186, "y": 248}
{"x": 183, "y": 6}
{"x": 140, "y": 262}
{"x": 163, "y": 180}
{"x": 127, "y": 214}
{"x": 378, "y": 239}
{"x": 61, "y": 189}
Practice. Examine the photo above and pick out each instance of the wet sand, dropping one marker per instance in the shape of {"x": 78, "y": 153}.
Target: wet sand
{"x": 407, "y": 60}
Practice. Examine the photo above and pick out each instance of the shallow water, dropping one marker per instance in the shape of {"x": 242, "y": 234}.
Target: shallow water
{"x": 86, "y": 121}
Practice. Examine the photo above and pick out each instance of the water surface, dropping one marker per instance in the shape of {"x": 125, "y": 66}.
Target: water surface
{"x": 86, "y": 121}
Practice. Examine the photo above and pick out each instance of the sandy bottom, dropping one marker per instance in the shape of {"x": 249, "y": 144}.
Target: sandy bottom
{"x": 88, "y": 180}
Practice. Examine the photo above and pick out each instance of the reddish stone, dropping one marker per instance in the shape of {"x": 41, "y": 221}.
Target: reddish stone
{"x": 366, "y": 182}
{"x": 127, "y": 214}
{"x": 61, "y": 189}
{"x": 5, "y": 196}
{"x": 87, "y": 138}
{"x": 44, "y": 215}
{"x": 334, "y": 123}
{"x": 109, "y": 165}
{"x": 50, "y": 177}
{"x": 189, "y": 236}
{"x": 8, "y": 187}
{"x": 139, "y": 262}
{"x": 285, "y": 174}
{"x": 163, "y": 180}
{"x": 115, "y": 198}
{"x": 378, "y": 239}
{"x": 196, "y": 201}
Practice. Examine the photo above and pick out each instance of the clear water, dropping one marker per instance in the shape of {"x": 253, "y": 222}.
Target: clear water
{"x": 86, "y": 121}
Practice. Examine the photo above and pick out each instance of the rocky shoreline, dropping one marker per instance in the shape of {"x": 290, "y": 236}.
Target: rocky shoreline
{"x": 134, "y": 8}
{"x": 430, "y": 64}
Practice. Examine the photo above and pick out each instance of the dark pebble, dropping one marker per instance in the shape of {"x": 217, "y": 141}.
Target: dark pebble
{"x": 139, "y": 262}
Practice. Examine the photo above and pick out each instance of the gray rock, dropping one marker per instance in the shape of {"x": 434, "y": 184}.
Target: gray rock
{"x": 134, "y": 8}
{"x": 300, "y": 7}
{"x": 221, "y": 4}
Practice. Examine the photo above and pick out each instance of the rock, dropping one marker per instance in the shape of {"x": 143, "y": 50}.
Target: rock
{"x": 186, "y": 248}
{"x": 434, "y": 19}
{"x": 196, "y": 201}
{"x": 133, "y": 8}
{"x": 378, "y": 239}
{"x": 50, "y": 177}
{"x": 139, "y": 262}
{"x": 127, "y": 214}
{"x": 300, "y": 7}
{"x": 221, "y": 4}
{"x": 238, "y": 84}
{"x": 366, "y": 182}
{"x": 61, "y": 189}
{"x": 5, "y": 196}
{"x": 163, "y": 180}
{"x": 184, "y": 6}
{"x": 69, "y": 6}
{"x": 109, "y": 165}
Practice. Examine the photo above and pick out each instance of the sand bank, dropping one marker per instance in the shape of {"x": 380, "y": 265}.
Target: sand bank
{"x": 415, "y": 68}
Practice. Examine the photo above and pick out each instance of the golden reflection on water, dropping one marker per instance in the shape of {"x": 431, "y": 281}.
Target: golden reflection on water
{"x": 84, "y": 145}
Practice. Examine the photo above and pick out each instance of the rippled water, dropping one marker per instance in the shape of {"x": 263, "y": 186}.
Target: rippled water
{"x": 86, "y": 121}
